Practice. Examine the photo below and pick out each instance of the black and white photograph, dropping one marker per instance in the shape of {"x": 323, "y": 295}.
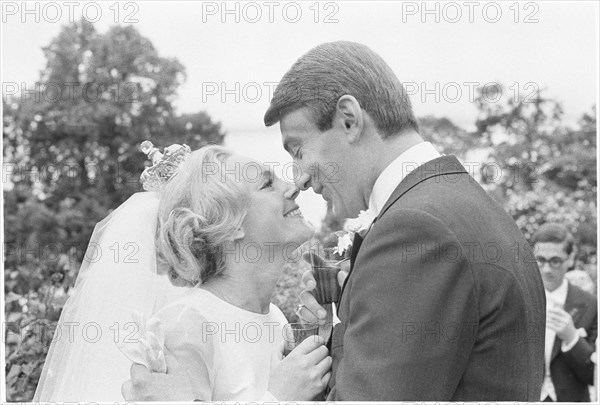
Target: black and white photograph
{"x": 285, "y": 201}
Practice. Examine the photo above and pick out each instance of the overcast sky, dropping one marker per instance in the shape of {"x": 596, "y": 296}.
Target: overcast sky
{"x": 440, "y": 51}
{"x": 558, "y": 52}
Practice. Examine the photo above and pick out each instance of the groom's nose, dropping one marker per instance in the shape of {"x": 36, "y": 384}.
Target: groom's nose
{"x": 303, "y": 181}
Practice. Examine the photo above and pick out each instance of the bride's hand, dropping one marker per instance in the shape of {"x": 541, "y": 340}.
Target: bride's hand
{"x": 145, "y": 385}
{"x": 303, "y": 374}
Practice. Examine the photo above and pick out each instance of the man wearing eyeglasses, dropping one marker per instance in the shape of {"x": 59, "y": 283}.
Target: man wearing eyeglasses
{"x": 571, "y": 319}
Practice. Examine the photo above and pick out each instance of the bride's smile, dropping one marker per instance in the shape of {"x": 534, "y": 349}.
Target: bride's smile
{"x": 272, "y": 217}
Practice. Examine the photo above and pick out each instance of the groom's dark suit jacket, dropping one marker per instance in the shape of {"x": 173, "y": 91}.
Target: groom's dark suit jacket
{"x": 444, "y": 300}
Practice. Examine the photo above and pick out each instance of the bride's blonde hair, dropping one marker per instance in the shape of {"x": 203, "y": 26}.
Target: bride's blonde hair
{"x": 201, "y": 208}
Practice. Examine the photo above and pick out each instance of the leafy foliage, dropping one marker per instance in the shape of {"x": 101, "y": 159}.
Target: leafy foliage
{"x": 545, "y": 170}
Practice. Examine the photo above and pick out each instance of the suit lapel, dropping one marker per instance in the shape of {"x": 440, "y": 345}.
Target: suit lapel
{"x": 358, "y": 240}
{"x": 575, "y": 308}
{"x": 555, "y": 348}
{"x": 443, "y": 165}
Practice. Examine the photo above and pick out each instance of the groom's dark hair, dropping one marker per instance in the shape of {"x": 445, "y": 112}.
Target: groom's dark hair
{"x": 325, "y": 73}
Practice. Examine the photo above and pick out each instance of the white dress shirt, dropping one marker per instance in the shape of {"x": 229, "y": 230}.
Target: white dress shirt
{"x": 556, "y": 298}
{"x": 396, "y": 171}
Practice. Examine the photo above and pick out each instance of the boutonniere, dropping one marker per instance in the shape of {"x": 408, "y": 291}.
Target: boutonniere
{"x": 352, "y": 226}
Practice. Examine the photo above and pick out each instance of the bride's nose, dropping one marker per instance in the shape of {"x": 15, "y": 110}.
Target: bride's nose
{"x": 291, "y": 191}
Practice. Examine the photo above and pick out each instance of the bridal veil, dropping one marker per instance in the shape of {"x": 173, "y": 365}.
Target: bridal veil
{"x": 118, "y": 276}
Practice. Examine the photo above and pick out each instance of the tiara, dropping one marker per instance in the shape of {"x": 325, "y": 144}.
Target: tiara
{"x": 164, "y": 165}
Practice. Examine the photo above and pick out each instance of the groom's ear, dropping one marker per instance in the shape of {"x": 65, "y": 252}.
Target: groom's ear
{"x": 349, "y": 118}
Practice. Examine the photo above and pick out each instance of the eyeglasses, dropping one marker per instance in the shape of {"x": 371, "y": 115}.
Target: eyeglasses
{"x": 554, "y": 262}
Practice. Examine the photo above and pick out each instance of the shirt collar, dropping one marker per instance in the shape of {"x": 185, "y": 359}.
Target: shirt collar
{"x": 396, "y": 171}
{"x": 558, "y": 296}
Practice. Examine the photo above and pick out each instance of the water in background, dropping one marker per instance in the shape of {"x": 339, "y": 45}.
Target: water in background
{"x": 265, "y": 145}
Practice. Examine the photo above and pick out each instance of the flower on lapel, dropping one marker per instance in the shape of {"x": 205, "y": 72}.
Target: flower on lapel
{"x": 344, "y": 244}
{"x": 362, "y": 223}
{"x": 147, "y": 348}
{"x": 353, "y": 225}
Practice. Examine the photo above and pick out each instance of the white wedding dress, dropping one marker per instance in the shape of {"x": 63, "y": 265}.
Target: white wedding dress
{"x": 227, "y": 351}
{"x": 87, "y": 359}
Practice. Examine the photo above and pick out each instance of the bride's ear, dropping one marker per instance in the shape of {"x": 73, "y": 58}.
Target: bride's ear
{"x": 238, "y": 234}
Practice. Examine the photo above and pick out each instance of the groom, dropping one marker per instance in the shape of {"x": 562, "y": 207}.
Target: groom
{"x": 444, "y": 300}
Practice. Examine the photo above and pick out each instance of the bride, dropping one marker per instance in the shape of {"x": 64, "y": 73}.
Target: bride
{"x": 200, "y": 254}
